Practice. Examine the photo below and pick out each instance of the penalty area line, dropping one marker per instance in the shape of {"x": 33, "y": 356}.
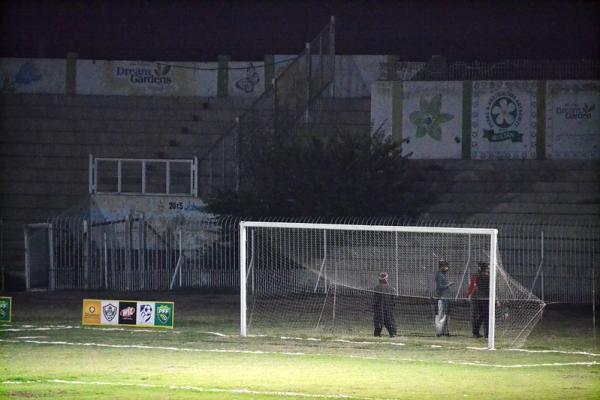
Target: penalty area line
{"x": 579, "y": 353}
{"x": 190, "y": 388}
{"x": 298, "y": 354}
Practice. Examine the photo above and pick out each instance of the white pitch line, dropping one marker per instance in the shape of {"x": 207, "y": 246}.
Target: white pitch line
{"x": 579, "y": 353}
{"x": 183, "y": 349}
{"x": 217, "y": 334}
{"x": 189, "y": 388}
{"x": 60, "y": 327}
{"x": 27, "y": 328}
{"x": 32, "y": 337}
{"x": 146, "y": 347}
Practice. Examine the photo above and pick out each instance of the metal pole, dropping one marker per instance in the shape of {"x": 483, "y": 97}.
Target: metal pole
{"x": 492, "y": 295}
{"x": 168, "y": 177}
{"x": 397, "y": 277}
{"x": 86, "y": 255}
{"x": 180, "y": 258}
{"x": 105, "y": 262}
{"x": 91, "y": 173}
{"x": 119, "y": 180}
{"x": 308, "y": 83}
{"x": 238, "y": 167}
{"x": 2, "y": 254}
{"x": 275, "y": 107}
{"x": 332, "y": 53}
{"x": 594, "y": 308}
{"x": 51, "y": 266}
{"x": 143, "y": 176}
{"x": 242, "y": 279}
{"x": 27, "y": 258}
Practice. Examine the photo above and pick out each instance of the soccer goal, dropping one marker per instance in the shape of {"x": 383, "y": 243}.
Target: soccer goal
{"x": 355, "y": 281}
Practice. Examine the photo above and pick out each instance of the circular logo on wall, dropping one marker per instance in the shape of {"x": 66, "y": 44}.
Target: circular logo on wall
{"x": 504, "y": 110}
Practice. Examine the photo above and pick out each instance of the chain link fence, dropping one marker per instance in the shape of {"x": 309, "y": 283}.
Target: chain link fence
{"x": 557, "y": 263}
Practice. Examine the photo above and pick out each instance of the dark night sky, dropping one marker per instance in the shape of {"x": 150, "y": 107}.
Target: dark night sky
{"x": 200, "y": 31}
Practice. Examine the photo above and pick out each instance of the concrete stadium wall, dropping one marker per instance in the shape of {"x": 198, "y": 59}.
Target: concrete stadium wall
{"x": 45, "y": 142}
{"x": 222, "y": 78}
{"x": 490, "y": 120}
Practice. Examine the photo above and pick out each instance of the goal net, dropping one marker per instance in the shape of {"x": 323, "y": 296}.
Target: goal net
{"x": 355, "y": 281}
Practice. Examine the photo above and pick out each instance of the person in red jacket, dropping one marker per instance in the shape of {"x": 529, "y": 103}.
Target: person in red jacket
{"x": 478, "y": 294}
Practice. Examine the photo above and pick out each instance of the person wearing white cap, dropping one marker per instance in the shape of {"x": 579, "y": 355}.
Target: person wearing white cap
{"x": 383, "y": 307}
{"x": 442, "y": 287}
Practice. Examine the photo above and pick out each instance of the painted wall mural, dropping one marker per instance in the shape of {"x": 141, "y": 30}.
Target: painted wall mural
{"x": 573, "y": 119}
{"x": 246, "y": 79}
{"x": 161, "y": 209}
{"x": 432, "y": 119}
{"x": 504, "y": 120}
{"x": 21, "y": 75}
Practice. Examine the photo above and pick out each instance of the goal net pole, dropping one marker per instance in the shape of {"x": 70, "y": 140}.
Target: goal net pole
{"x": 242, "y": 279}
{"x": 492, "y": 295}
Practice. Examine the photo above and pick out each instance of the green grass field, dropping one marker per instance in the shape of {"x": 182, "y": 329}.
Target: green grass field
{"x": 46, "y": 353}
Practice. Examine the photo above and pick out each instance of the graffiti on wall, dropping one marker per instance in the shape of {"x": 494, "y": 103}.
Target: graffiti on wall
{"x": 504, "y": 124}
{"x": 572, "y": 119}
{"x": 249, "y": 82}
{"x": 24, "y": 76}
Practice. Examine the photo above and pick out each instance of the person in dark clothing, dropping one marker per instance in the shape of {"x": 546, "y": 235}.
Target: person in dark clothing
{"x": 481, "y": 301}
{"x": 442, "y": 287}
{"x": 471, "y": 292}
{"x": 383, "y": 307}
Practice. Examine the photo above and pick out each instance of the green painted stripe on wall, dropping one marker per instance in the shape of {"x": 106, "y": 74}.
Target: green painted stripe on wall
{"x": 466, "y": 119}
{"x": 71, "y": 73}
{"x": 397, "y": 111}
{"x": 392, "y": 64}
{"x": 223, "y": 76}
{"x": 269, "y": 71}
{"x": 541, "y": 121}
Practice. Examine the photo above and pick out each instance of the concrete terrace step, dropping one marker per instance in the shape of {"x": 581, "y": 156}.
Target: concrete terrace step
{"x": 516, "y": 208}
{"x": 518, "y": 197}
{"x": 508, "y": 218}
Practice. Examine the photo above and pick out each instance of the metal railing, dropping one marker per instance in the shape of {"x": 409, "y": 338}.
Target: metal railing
{"x": 556, "y": 262}
{"x": 143, "y": 176}
{"x": 288, "y": 104}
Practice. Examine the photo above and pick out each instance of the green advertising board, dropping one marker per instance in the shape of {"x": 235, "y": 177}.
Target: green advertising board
{"x": 164, "y": 315}
{"x": 5, "y": 309}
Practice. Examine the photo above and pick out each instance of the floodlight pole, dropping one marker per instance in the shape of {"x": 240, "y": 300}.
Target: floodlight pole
{"x": 242, "y": 279}
{"x": 492, "y": 294}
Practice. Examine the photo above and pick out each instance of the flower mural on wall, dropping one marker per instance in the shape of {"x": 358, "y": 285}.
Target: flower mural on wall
{"x": 429, "y": 118}
{"x": 504, "y": 112}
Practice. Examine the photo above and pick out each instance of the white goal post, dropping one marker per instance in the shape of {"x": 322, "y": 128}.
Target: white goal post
{"x": 305, "y": 277}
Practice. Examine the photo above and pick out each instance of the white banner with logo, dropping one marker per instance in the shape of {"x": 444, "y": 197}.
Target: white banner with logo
{"x": 573, "y": 119}
{"x": 109, "y": 314}
{"x": 504, "y": 120}
{"x": 139, "y": 78}
{"x": 432, "y": 119}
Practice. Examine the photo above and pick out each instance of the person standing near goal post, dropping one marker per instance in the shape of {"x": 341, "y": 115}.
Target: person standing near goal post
{"x": 442, "y": 286}
{"x": 383, "y": 307}
{"x": 481, "y": 300}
